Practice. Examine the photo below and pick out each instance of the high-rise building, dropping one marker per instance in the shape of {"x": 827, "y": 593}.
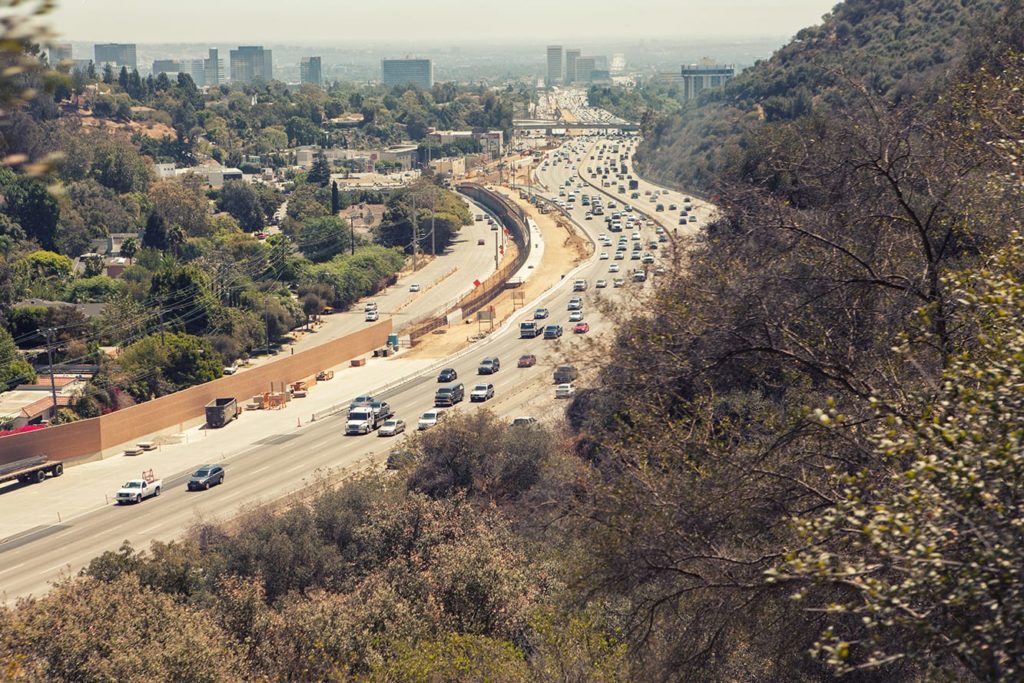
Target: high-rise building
{"x": 117, "y": 55}
{"x": 407, "y": 72}
{"x": 618, "y": 63}
{"x": 571, "y": 56}
{"x": 250, "y": 63}
{"x": 309, "y": 71}
{"x": 165, "y": 66}
{"x": 195, "y": 68}
{"x": 213, "y": 69}
{"x": 585, "y": 66}
{"x": 699, "y": 77}
{"x": 60, "y": 52}
{"x": 554, "y": 65}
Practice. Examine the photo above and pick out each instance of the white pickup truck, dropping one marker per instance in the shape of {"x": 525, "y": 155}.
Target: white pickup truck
{"x": 135, "y": 490}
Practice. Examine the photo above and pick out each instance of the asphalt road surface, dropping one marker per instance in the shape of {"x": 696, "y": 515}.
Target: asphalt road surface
{"x": 269, "y": 467}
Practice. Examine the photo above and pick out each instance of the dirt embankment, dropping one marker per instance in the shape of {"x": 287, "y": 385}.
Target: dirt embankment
{"x": 564, "y": 249}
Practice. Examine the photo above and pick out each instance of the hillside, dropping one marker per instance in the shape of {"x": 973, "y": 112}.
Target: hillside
{"x": 895, "y": 48}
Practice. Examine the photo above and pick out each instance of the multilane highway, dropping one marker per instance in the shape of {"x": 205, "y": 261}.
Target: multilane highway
{"x": 263, "y": 467}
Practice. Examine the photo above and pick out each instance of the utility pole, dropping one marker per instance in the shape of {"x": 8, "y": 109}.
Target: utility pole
{"x": 433, "y": 210}
{"x": 415, "y": 234}
{"x": 48, "y": 333}
{"x": 352, "y": 226}
{"x": 266, "y": 321}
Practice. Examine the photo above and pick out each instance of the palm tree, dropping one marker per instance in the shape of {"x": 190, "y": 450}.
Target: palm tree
{"x": 129, "y": 248}
{"x": 176, "y": 237}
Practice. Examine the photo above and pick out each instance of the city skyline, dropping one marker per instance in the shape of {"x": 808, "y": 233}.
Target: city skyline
{"x": 310, "y": 22}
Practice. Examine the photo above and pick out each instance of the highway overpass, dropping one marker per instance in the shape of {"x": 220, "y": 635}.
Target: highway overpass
{"x": 549, "y": 125}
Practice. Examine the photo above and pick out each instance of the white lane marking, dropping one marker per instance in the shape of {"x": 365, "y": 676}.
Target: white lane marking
{"x": 62, "y": 565}
{"x": 11, "y": 569}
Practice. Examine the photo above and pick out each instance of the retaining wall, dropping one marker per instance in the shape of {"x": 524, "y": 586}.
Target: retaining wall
{"x": 513, "y": 218}
{"x": 102, "y": 436}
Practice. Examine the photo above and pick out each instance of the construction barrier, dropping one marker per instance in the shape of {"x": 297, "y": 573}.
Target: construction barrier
{"x": 101, "y": 436}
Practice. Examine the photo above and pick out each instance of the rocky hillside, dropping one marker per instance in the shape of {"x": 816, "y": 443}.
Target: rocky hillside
{"x": 894, "y": 48}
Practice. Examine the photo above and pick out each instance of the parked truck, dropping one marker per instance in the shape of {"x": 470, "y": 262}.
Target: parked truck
{"x": 363, "y": 419}
{"x": 220, "y": 411}
{"x": 31, "y": 470}
{"x": 137, "y": 490}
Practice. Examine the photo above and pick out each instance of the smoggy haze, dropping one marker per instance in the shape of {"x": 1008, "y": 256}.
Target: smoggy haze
{"x": 417, "y": 21}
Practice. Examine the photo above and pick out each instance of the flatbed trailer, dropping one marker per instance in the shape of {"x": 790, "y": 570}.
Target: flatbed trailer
{"x": 31, "y": 470}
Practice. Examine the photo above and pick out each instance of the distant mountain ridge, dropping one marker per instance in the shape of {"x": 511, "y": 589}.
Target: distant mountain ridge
{"x": 897, "y": 48}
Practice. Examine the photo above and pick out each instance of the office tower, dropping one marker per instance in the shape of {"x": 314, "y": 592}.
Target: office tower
{"x": 250, "y": 63}
{"x": 699, "y": 77}
{"x": 117, "y": 55}
{"x": 195, "y": 68}
{"x": 554, "y": 65}
{"x": 407, "y": 71}
{"x": 585, "y": 66}
{"x": 309, "y": 71}
{"x": 165, "y": 66}
{"x": 570, "y": 65}
{"x": 60, "y": 52}
{"x": 213, "y": 69}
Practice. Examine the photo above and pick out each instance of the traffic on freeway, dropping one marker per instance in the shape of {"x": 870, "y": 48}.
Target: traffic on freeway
{"x": 263, "y": 466}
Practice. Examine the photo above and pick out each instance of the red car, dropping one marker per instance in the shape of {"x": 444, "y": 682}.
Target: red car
{"x": 527, "y": 360}
{"x": 581, "y": 327}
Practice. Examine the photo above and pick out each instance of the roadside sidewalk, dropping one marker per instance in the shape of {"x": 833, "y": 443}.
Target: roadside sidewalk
{"x": 91, "y": 485}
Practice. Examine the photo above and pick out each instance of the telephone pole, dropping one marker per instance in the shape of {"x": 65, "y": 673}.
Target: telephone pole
{"x": 415, "y": 234}
{"x": 48, "y": 333}
{"x": 433, "y": 210}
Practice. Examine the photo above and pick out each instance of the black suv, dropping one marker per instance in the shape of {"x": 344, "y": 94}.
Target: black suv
{"x": 448, "y": 375}
{"x": 205, "y": 477}
{"x": 449, "y": 395}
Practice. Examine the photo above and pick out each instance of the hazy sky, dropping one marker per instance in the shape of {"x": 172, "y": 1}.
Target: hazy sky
{"x": 427, "y": 21}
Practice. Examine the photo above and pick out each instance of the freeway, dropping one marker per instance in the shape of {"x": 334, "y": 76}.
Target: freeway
{"x": 440, "y": 281}
{"x": 266, "y": 458}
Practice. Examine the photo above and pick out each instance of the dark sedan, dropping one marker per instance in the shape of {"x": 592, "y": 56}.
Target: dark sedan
{"x": 205, "y": 477}
{"x": 448, "y": 375}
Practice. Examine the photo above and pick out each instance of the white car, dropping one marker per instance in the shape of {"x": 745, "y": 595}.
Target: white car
{"x": 603, "y": 256}
{"x": 567, "y": 390}
{"x": 636, "y": 237}
{"x": 414, "y": 288}
{"x": 429, "y": 419}
{"x": 372, "y": 317}
{"x": 575, "y": 316}
{"x": 481, "y": 392}
{"x": 601, "y": 284}
{"x": 613, "y": 268}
